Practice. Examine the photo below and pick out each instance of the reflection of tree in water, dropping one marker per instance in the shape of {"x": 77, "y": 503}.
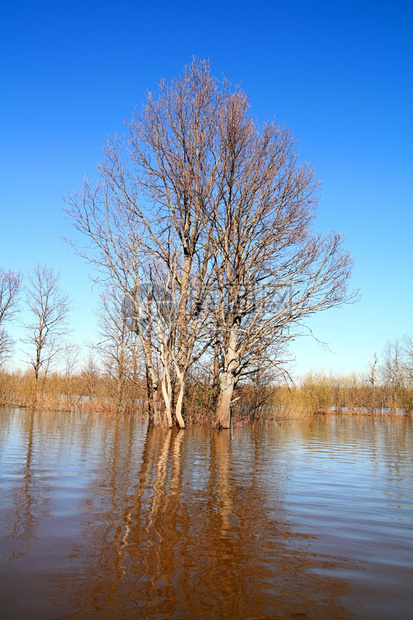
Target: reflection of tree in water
{"x": 192, "y": 535}
{"x": 30, "y": 493}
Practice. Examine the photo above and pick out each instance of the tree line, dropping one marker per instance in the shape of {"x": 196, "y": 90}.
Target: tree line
{"x": 200, "y": 225}
{"x": 113, "y": 379}
{"x": 97, "y": 385}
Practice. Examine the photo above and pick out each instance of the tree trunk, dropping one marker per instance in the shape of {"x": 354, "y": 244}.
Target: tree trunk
{"x": 120, "y": 394}
{"x": 215, "y": 387}
{"x": 224, "y": 400}
{"x": 152, "y": 395}
{"x": 168, "y": 408}
{"x": 228, "y": 379}
{"x": 180, "y": 400}
{"x": 166, "y": 385}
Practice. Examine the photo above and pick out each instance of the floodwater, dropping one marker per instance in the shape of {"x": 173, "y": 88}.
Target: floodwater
{"x": 101, "y": 518}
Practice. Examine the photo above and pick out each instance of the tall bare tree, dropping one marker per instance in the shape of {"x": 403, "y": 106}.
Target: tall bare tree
{"x": 201, "y": 203}
{"x": 49, "y": 307}
{"x": 10, "y": 284}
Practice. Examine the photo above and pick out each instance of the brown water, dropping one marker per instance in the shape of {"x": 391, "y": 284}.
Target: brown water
{"x": 102, "y": 519}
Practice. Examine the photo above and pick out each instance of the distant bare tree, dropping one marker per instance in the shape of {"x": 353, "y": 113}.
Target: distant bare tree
{"x": 396, "y": 373}
{"x": 407, "y": 344}
{"x": 392, "y": 372}
{"x": 49, "y": 307}
{"x": 6, "y": 346}
{"x": 373, "y": 379}
{"x": 10, "y": 284}
{"x": 118, "y": 348}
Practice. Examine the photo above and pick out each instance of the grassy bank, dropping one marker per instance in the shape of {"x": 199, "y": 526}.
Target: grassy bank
{"x": 315, "y": 394}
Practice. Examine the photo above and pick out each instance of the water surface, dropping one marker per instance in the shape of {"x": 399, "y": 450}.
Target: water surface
{"x": 102, "y": 518}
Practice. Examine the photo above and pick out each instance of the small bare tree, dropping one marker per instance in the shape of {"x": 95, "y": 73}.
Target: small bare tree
{"x": 392, "y": 373}
{"x": 118, "y": 348}
{"x": 10, "y": 284}
{"x": 49, "y": 307}
{"x": 408, "y": 368}
{"x": 373, "y": 379}
{"x": 408, "y": 353}
{"x": 6, "y": 346}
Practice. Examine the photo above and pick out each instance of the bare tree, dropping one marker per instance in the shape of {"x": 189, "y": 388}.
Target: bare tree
{"x": 202, "y": 204}
{"x": 396, "y": 373}
{"x": 118, "y": 348}
{"x": 407, "y": 344}
{"x": 49, "y": 307}
{"x": 10, "y": 284}
{"x": 393, "y": 373}
{"x": 6, "y": 346}
{"x": 408, "y": 369}
{"x": 373, "y": 379}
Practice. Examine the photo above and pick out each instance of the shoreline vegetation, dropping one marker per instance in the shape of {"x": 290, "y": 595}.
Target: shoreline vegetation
{"x": 316, "y": 394}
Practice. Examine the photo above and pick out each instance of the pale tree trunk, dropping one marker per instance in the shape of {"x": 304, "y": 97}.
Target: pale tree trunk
{"x": 151, "y": 385}
{"x": 121, "y": 374}
{"x": 152, "y": 396}
{"x": 182, "y": 333}
{"x": 166, "y": 383}
{"x": 216, "y": 372}
{"x": 179, "y": 403}
{"x": 227, "y": 384}
{"x": 167, "y": 398}
{"x": 146, "y": 341}
{"x": 228, "y": 380}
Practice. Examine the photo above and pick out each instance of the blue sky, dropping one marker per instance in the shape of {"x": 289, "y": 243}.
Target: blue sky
{"x": 339, "y": 74}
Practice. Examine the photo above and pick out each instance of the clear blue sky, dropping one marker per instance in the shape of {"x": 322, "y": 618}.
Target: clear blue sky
{"x": 339, "y": 74}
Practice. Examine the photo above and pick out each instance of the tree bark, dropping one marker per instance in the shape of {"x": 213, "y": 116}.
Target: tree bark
{"x": 152, "y": 395}
{"x": 180, "y": 400}
{"x": 224, "y": 399}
